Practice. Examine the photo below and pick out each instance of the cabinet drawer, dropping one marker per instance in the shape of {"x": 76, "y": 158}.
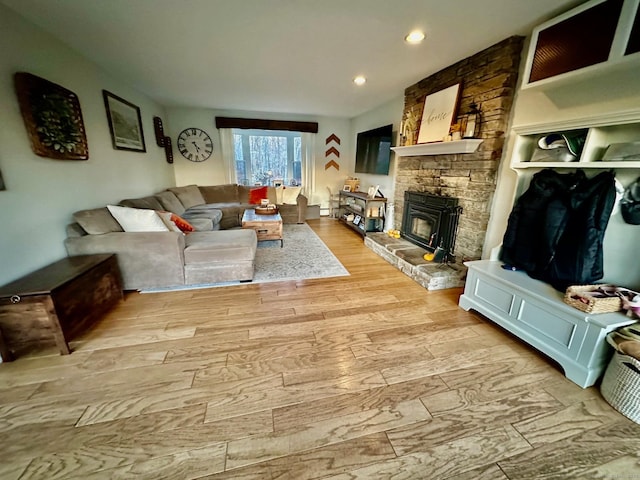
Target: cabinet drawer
{"x": 498, "y": 298}
{"x": 555, "y": 330}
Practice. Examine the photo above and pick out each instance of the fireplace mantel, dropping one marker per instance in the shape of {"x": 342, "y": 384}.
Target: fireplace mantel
{"x": 468, "y": 145}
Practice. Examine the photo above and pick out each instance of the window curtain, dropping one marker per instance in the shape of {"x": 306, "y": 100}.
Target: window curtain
{"x": 228, "y": 157}
{"x": 308, "y": 147}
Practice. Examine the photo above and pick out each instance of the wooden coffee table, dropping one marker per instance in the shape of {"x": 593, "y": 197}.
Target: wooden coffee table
{"x": 267, "y": 227}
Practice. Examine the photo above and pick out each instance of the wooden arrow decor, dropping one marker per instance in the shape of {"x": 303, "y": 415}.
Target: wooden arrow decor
{"x": 333, "y": 150}
{"x": 331, "y": 163}
{"x": 332, "y": 138}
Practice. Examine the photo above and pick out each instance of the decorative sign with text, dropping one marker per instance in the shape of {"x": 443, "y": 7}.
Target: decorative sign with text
{"x": 438, "y": 114}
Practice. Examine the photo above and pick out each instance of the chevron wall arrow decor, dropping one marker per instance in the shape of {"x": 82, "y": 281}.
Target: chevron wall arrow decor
{"x": 333, "y": 138}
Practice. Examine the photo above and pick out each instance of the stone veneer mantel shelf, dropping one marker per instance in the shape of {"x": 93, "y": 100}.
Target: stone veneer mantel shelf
{"x": 468, "y": 145}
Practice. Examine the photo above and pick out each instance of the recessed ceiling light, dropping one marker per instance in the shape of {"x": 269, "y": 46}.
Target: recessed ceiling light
{"x": 359, "y": 80}
{"x": 414, "y": 37}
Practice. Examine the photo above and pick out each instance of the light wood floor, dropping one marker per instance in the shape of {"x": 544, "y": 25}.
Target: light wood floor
{"x": 361, "y": 377}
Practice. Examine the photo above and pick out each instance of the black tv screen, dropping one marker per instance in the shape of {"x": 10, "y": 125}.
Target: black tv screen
{"x": 373, "y": 150}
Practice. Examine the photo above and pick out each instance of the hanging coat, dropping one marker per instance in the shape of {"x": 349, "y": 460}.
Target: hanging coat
{"x": 557, "y": 227}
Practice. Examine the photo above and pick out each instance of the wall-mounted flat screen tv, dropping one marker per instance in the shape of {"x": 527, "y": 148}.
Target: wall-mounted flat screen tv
{"x": 373, "y": 150}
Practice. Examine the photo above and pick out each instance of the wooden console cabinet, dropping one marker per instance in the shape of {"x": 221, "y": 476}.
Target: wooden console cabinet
{"x": 535, "y": 312}
{"x": 52, "y": 305}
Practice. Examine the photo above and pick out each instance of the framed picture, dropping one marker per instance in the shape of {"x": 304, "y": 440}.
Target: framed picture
{"x": 53, "y": 118}
{"x": 346, "y": 188}
{"x": 438, "y": 114}
{"x": 125, "y": 123}
{"x": 2, "y": 187}
{"x": 357, "y": 219}
{"x": 373, "y": 191}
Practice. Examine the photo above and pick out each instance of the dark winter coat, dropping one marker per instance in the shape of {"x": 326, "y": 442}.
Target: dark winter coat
{"x": 556, "y": 228}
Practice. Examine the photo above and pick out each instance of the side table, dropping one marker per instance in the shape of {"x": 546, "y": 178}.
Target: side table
{"x": 52, "y": 305}
{"x": 267, "y": 227}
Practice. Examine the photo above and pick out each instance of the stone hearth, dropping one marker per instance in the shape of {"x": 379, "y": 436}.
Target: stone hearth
{"x": 407, "y": 258}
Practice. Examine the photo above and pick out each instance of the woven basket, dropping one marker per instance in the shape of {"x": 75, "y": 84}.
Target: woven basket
{"x": 621, "y": 385}
{"x": 589, "y": 304}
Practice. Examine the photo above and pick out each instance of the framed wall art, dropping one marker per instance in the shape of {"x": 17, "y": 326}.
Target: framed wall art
{"x": 52, "y": 117}
{"x": 2, "y": 187}
{"x": 125, "y": 123}
{"x": 438, "y": 114}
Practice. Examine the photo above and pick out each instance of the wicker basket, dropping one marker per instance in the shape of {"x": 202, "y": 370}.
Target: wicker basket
{"x": 621, "y": 385}
{"x": 590, "y": 304}
{"x": 266, "y": 210}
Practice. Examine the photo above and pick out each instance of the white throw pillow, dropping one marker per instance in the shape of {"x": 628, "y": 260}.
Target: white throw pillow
{"x": 290, "y": 195}
{"x": 137, "y": 219}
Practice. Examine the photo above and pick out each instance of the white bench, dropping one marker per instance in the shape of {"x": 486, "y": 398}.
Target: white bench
{"x": 535, "y": 312}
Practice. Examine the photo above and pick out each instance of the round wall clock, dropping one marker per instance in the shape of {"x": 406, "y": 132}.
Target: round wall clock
{"x": 195, "y": 144}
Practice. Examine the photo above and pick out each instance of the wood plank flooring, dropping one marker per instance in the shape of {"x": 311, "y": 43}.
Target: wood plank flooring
{"x": 361, "y": 377}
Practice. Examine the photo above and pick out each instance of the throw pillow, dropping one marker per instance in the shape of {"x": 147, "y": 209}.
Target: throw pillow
{"x": 137, "y": 219}
{"x": 290, "y": 196}
{"x": 175, "y": 222}
{"x": 257, "y": 194}
{"x": 166, "y": 218}
{"x": 181, "y": 223}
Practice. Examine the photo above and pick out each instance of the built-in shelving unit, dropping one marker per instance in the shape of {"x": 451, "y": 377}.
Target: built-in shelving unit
{"x": 561, "y": 59}
{"x": 467, "y": 145}
{"x": 600, "y": 134}
{"x": 361, "y": 213}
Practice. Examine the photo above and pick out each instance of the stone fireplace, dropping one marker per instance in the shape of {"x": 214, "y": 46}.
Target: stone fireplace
{"x": 487, "y": 79}
{"x": 431, "y": 222}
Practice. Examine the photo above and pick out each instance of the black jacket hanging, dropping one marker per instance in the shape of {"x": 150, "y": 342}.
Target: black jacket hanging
{"x": 557, "y": 227}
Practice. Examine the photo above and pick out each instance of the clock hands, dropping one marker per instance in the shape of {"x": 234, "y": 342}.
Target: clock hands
{"x": 196, "y": 145}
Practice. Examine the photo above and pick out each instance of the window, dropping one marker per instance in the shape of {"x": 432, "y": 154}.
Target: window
{"x": 264, "y": 156}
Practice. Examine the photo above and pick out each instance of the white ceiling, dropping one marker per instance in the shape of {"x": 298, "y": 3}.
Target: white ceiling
{"x": 293, "y": 56}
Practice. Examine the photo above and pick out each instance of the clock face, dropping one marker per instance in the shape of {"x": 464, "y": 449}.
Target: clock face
{"x": 195, "y": 144}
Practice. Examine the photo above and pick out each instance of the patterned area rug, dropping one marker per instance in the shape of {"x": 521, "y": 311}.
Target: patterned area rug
{"x": 303, "y": 256}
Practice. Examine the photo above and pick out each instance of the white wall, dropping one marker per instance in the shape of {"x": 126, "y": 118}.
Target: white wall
{"x": 211, "y": 171}
{"x": 42, "y": 193}
{"x": 389, "y": 112}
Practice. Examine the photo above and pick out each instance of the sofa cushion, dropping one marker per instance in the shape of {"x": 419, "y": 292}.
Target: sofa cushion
{"x": 290, "y": 195}
{"x": 220, "y": 193}
{"x": 97, "y": 221}
{"x": 170, "y": 202}
{"x": 225, "y": 246}
{"x": 137, "y": 219}
{"x": 204, "y": 211}
{"x": 149, "y": 203}
{"x": 257, "y": 194}
{"x": 188, "y": 195}
{"x": 243, "y": 193}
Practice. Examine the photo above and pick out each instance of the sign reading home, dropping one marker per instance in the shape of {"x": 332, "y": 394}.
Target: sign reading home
{"x": 438, "y": 113}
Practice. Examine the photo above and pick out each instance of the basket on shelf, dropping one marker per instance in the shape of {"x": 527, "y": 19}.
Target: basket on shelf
{"x": 621, "y": 382}
{"x": 582, "y": 298}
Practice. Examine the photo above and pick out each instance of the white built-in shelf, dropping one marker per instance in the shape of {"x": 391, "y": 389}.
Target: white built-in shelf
{"x": 602, "y": 165}
{"x": 468, "y": 145}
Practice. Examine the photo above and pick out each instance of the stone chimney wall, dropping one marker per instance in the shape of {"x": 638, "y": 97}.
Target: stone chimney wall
{"x": 488, "y": 79}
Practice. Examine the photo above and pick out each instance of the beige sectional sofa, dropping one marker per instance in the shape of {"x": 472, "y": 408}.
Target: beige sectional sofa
{"x": 218, "y": 251}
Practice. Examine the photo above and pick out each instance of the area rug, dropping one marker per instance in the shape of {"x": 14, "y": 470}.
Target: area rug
{"x": 303, "y": 256}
